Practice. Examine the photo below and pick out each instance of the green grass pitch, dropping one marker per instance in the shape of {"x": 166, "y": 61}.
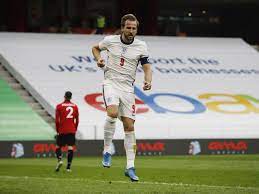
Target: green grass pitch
{"x": 160, "y": 174}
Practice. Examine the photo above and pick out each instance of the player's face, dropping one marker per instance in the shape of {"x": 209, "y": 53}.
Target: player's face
{"x": 130, "y": 30}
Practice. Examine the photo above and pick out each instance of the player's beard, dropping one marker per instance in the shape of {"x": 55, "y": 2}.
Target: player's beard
{"x": 129, "y": 38}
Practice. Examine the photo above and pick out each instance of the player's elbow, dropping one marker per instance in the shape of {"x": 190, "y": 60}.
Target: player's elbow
{"x": 95, "y": 49}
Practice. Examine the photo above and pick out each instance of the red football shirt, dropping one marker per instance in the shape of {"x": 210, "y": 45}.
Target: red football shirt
{"x": 67, "y": 117}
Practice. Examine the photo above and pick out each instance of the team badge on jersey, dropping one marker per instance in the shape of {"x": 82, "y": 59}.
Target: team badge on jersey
{"x": 124, "y": 49}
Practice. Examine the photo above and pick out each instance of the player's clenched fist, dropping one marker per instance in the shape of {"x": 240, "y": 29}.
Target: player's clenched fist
{"x": 147, "y": 85}
{"x": 101, "y": 63}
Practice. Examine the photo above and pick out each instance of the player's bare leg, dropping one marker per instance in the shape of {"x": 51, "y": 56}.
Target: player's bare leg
{"x": 109, "y": 130}
{"x": 130, "y": 147}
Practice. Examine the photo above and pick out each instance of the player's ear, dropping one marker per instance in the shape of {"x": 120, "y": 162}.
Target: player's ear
{"x": 122, "y": 27}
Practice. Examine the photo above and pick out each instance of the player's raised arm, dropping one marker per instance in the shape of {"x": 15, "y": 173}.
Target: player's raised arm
{"x": 97, "y": 55}
{"x": 147, "y": 76}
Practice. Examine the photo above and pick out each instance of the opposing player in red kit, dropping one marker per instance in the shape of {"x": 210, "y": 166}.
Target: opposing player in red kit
{"x": 67, "y": 119}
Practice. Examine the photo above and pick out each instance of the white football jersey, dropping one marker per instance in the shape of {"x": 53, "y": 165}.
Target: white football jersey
{"x": 122, "y": 61}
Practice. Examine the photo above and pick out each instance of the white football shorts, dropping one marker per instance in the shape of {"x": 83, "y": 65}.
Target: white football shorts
{"x": 124, "y": 100}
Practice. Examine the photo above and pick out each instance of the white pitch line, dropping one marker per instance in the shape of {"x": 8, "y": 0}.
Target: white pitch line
{"x": 127, "y": 182}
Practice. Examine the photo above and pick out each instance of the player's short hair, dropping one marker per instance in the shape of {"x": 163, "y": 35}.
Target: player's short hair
{"x": 68, "y": 95}
{"x": 130, "y": 17}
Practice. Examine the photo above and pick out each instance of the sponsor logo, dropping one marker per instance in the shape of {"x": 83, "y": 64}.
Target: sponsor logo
{"x": 194, "y": 148}
{"x": 17, "y": 150}
{"x": 225, "y": 103}
{"x": 150, "y": 149}
{"x": 228, "y": 147}
{"x": 47, "y": 150}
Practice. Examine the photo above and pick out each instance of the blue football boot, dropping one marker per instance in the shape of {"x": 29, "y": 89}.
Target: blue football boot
{"x": 131, "y": 174}
{"x": 107, "y": 160}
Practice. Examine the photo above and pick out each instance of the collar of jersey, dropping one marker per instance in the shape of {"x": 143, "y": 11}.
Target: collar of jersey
{"x": 128, "y": 43}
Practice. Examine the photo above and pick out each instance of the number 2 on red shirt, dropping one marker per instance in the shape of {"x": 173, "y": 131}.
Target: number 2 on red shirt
{"x": 70, "y": 112}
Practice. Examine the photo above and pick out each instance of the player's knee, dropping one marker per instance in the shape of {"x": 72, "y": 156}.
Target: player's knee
{"x": 112, "y": 111}
{"x": 129, "y": 127}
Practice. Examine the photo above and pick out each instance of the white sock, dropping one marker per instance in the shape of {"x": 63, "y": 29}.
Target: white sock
{"x": 109, "y": 129}
{"x": 130, "y": 148}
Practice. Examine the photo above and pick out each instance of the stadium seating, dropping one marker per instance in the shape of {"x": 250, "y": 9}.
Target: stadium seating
{"x": 18, "y": 120}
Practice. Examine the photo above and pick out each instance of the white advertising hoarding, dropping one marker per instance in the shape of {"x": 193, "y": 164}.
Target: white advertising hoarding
{"x": 202, "y": 87}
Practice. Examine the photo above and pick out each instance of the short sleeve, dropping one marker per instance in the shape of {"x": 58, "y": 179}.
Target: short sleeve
{"x": 104, "y": 44}
{"x": 145, "y": 53}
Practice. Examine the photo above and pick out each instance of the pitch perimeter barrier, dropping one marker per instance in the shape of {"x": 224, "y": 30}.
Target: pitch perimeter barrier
{"x": 158, "y": 147}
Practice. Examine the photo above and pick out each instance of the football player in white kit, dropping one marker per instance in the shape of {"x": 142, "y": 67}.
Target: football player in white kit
{"x": 124, "y": 54}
